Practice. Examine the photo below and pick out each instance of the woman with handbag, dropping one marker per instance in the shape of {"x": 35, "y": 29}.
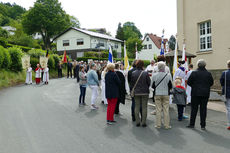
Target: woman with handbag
{"x": 225, "y": 83}
{"x": 161, "y": 82}
{"x": 140, "y": 83}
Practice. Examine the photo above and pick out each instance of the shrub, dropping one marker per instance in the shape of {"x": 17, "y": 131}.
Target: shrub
{"x": 6, "y": 59}
{"x": 36, "y": 53}
{"x": 34, "y": 61}
{"x": 3, "y": 42}
{"x": 51, "y": 63}
{"x": 102, "y": 54}
{"x": 56, "y": 60}
{"x": 1, "y": 56}
{"x": 25, "y": 49}
{"x": 16, "y": 57}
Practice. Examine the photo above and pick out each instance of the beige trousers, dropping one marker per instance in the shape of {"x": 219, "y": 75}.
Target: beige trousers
{"x": 162, "y": 102}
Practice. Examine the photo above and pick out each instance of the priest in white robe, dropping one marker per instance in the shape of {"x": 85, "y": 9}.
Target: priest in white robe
{"x": 46, "y": 75}
{"x": 29, "y": 75}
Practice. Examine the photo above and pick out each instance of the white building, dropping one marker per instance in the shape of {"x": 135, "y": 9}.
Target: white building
{"x": 151, "y": 47}
{"x": 77, "y": 41}
{"x": 10, "y": 29}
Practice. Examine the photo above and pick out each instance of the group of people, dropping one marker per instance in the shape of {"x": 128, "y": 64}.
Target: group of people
{"x": 41, "y": 75}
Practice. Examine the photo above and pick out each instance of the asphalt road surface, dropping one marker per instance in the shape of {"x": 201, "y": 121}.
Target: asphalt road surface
{"x": 47, "y": 119}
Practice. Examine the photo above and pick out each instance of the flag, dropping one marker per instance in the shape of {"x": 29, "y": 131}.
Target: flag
{"x": 64, "y": 59}
{"x": 175, "y": 66}
{"x": 162, "y": 44}
{"x": 110, "y": 59}
{"x": 167, "y": 47}
{"x": 136, "y": 52}
{"x": 47, "y": 53}
{"x": 126, "y": 61}
{"x": 184, "y": 58}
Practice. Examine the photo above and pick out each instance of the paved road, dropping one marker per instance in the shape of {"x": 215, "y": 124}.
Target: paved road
{"x": 47, "y": 119}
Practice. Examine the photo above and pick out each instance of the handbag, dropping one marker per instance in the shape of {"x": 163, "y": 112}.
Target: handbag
{"x": 132, "y": 92}
{"x": 153, "y": 87}
{"x": 225, "y": 90}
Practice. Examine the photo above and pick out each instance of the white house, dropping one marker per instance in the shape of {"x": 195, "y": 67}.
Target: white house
{"x": 10, "y": 29}
{"x": 77, "y": 41}
{"x": 151, "y": 47}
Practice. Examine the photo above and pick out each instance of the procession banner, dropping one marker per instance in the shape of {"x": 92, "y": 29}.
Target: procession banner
{"x": 25, "y": 61}
{"x": 43, "y": 61}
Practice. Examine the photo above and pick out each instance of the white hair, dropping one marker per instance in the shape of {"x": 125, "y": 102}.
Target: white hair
{"x": 161, "y": 66}
{"x": 201, "y": 63}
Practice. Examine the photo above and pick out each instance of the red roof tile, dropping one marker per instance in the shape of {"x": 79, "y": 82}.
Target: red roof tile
{"x": 157, "y": 40}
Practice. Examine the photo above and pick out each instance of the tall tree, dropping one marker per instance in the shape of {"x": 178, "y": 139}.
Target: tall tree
{"x": 131, "y": 46}
{"x": 47, "y": 18}
{"x": 120, "y": 33}
{"x": 172, "y": 42}
{"x": 131, "y": 31}
{"x": 74, "y": 22}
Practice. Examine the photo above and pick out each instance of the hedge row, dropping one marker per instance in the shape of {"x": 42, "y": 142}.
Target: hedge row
{"x": 10, "y": 59}
{"x": 85, "y": 59}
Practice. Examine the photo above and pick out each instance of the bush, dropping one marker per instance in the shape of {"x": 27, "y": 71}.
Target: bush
{"x": 51, "y": 63}
{"x": 56, "y": 60}
{"x": 3, "y": 42}
{"x": 1, "y": 56}
{"x": 34, "y": 61}
{"x": 25, "y": 49}
{"x": 37, "y": 53}
{"x": 102, "y": 54}
{"x": 7, "y": 59}
{"x": 16, "y": 57}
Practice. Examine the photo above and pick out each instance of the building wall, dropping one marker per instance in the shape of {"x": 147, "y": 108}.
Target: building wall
{"x": 148, "y": 54}
{"x": 192, "y": 12}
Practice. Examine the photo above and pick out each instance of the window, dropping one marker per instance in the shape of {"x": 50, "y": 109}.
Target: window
{"x": 80, "y": 42}
{"x": 65, "y": 42}
{"x": 150, "y": 46}
{"x": 145, "y": 46}
{"x": 205, "y": 36}
{"x": 147, "y": 39}
{"x": 116, "y": 46}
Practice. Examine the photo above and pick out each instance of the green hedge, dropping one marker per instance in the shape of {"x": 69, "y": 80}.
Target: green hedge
{"x": 6, "y": 59}
{"x": 16, "y": 57}
{"x": 36, "y": 53}
{"x": 23, "y": 48}
{"x": 34, "y": 61}
{"x": 1, "y": 55}
{"x": 51, "y": 63}
{"x": 56, "y": 60}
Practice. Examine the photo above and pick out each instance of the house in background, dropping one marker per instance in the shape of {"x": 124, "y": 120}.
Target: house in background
{"x": 77, "y": 41}
{"x": 151, "y": 47}
{"x": 205, "y": 27}
{"x": 10, "y": 29}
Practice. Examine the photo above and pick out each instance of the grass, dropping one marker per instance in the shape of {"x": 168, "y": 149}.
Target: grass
{"x": 9, "y": 78}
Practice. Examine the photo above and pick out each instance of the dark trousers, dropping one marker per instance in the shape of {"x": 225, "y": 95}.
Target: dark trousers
{"x": 180, "y": 109}
{"x": 60, "y": 73}
{"x": 69, "y": 71}
{"x": 74, "y": 73}
{"x": 133, "y": 109}
{"x": 195, "y": 102}
{"x": 82, "y": 94}
{"x": 77, "y": 74}
{"x": 117, "y": 108}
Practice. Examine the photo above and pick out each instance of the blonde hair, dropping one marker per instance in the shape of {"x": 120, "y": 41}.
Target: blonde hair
{"x": 110, "y": 67}
{"x": 178, "y": 81}
{"x": 228, "y": 62}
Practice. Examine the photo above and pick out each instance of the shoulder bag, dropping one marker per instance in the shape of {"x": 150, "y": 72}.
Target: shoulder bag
{"x": 132, "y": 92}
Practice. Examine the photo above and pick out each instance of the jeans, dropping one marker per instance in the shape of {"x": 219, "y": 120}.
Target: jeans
{"x": 180, "y": 109}
{"x": 82, "y": 94}
{"x": 195, "y": 102}
{"x": 111, "y": 108}
{"x": 141, "y": 102}
{"x": 162, "y": 103}
{"x": 94, "y": 93}
{"x": 228, "y": 110}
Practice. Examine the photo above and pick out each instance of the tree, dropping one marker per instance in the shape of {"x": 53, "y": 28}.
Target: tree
{"x": 131, "y": 31}
{"x": 131, "y": 46}
{"x": 172, "y": 42}
{"x": 74, "y": 22}
{"x": 120, "y": 33}
{"x": 47, "y": 18}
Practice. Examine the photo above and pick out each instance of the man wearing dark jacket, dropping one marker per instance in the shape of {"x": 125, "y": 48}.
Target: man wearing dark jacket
{"x": 200, "y": 81}
{"x": 69, "y": 69}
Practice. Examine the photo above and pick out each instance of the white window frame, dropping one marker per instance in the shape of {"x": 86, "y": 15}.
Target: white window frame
{"x": 150, "y": 46}
{"x": 147, "y": 39}
{"x": 65, "y": 42}
{"x": 81, "y": 40}
{"x": 204, "y": 36}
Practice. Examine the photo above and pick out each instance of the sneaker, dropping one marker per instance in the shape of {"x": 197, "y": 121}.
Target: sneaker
{"x": 228, "y": 128}
{"x": 138, "y": 124}
{"x": 153, "y": 113}
{"x": 203, "y": 128}
{"x": 185, "y": 117}
{"x": 94, "y": 107}
{"x": 109, "y": 122}
{"x": 84, "y": 104}
{"x": 168, "y": 127}
{"x": 158, "y": 127}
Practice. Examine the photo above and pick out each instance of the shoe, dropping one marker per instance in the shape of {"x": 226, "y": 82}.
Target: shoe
{"x": 94, "y": 107}
{"x": 185, "y": 117}
{"x": 133, "y": 119}
{"x": 113, "y": 121}
{"x": 153, "y": 113}
{"x": 158, "y": 127}
{"x": 138, "y": 124}
{"x": 109, "y": 122}
{"x": 228, "y": 128}
{"x": 84, "y": 104}
{"x": 180, "y": 120}
{"x": 102, "y": 102}
{"x": 190, "y": 126}
{"x": 203, "y": 128}
{"x": 144, "y": 125}
{"x": 168, "y": 127}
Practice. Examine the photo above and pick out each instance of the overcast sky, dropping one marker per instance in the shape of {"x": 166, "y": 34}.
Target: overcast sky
{"x": 150, "y": 16}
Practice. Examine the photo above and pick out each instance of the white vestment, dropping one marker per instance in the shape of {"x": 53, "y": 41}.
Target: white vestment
{"x": 38, "y": 73}
{"x": 46, "y": 75}
{"x": 188, "y": 89}
{"x": 29, "y": 76}
{"x": 103, "y": 87}
{"x": 181, "y": 74}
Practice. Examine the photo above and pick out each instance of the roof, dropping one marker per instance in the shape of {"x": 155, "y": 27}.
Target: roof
{"x": 90, "y": 33}
{"x": 171, "y": 54}
{"x": 156, "y": 40}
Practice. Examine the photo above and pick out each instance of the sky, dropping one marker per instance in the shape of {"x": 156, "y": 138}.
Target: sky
{"x": 149, "y": 16}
